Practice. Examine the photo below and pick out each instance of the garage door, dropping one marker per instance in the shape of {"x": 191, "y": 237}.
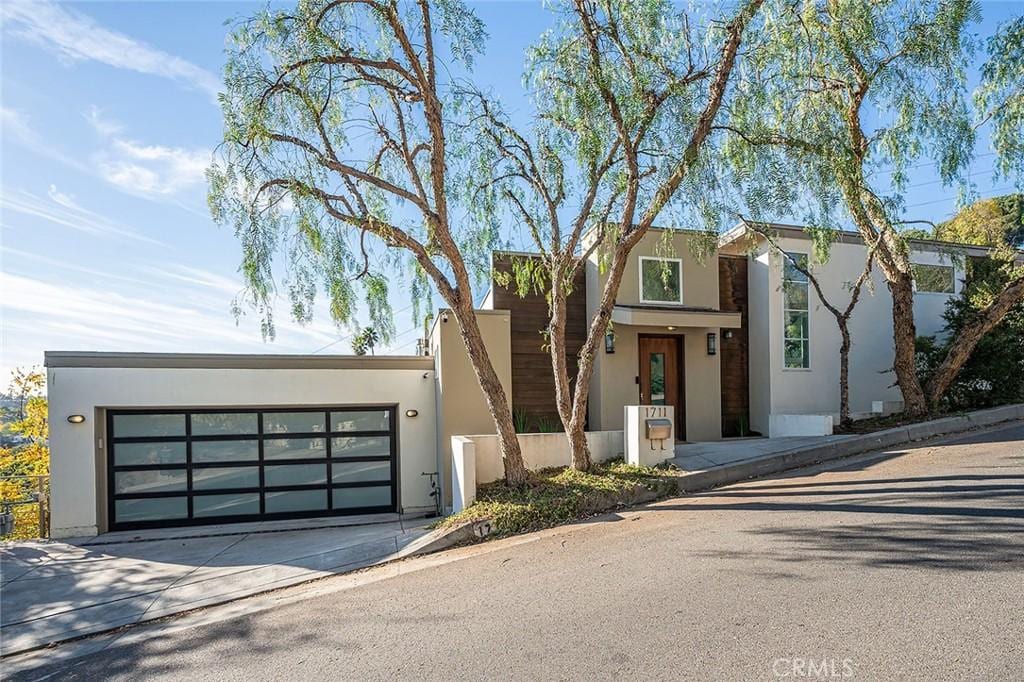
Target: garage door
{"x": 189, "y": 467}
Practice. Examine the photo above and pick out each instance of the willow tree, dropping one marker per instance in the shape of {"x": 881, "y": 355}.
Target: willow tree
{"x": 850, "y": 90}
{"x": 626, "y": 95}
{"x": 340, "y": 126}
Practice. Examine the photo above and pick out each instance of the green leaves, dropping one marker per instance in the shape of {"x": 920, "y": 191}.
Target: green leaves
{"x": 1000, "y": 98}
{"x": 335, "y": 122}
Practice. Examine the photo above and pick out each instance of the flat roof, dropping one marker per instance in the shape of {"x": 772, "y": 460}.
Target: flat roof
{"x": 847, "y": 236}
{"x": 233, "y": 361}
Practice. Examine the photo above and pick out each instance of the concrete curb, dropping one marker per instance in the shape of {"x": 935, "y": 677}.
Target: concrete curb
{"x": 441, "y": 539}
{"x": 854, "y": 445}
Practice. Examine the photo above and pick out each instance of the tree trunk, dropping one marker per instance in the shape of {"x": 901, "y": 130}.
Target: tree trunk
{"x": 595, "y": 335}
{"x": 904, "y": 334}
{"x": 511, "y": 454}
{"x": 574, "y": 431}
{"x": 578, "y": 445}
{"x": 844, "y": 373}
{"x": 964, "y": 344}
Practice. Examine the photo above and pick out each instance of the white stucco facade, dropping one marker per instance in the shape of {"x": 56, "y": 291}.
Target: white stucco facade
{"x": 776, "y": 390}
{"x": 78, "y": 451}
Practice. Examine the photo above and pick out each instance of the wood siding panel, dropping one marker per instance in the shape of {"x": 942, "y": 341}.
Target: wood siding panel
{"x": 735, "y": 360}
{"x": 533, "y": 385}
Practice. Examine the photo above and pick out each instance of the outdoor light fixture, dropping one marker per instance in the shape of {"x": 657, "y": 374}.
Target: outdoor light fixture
{"x": 712, "y": 344}
{"x": 609, "y": 341}
{"x": 412, "y": 413}
{"x": 727, "y": 333}
{"x": 76, "y": 418}
{"x": 670, "y": 328}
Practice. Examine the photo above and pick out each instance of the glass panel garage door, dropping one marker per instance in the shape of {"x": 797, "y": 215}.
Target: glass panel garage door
{"x": 178, "y": 468}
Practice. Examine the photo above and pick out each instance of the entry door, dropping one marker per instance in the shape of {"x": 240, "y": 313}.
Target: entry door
{"x": 661, "y": 376}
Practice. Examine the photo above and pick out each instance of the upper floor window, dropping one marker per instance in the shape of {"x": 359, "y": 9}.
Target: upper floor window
{"x": 661, "y": 280}
{"x": 933, "y": 279}
{"x": 796, "y": 312}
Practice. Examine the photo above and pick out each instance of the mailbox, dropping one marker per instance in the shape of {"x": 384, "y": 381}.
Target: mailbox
{"x": 659, "y": 429}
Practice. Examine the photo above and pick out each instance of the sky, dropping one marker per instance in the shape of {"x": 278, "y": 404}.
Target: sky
{"x": 109, "y": 118}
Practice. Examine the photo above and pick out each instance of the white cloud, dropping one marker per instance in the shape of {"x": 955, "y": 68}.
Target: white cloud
{"x": 62, "y": 209}
{"x": 145, "y": 169}
{"x": 100, "y": 123}
{"x": 153, "y": 169}
{"x": 77, "y": 37}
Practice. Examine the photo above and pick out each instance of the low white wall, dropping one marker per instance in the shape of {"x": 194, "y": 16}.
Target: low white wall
{"x": 463, "y": 472}
{"x": 78, "y": 460}
{"x": 540, "y": 451}
{"x": 783, "y": 425}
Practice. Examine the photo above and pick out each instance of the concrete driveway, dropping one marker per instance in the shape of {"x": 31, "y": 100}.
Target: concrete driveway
{"x": 54, "y": 591}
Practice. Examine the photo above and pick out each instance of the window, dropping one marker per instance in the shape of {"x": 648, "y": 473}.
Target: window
{"x": 796, "y": 315}
{"x": 933, "y": 279}
{"x": 661, "y": 280}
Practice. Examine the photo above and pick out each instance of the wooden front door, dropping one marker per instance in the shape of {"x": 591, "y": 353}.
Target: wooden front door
{"x": 661, "y": 376}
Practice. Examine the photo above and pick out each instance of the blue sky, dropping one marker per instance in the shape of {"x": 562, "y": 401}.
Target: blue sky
{"x": 108, "y": 121}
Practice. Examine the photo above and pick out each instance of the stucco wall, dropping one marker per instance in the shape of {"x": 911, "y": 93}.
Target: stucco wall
{"x": 778, "y": 390}
{"x": 78, "y": 459}
{"x": 614, "y": 384}
{"x": 700, "y": 278}
{"x": 461, "y": 407}
{"x": 541, "y": 451}
{"x": 758, "y": 277}
{"x": 702, "y": 381}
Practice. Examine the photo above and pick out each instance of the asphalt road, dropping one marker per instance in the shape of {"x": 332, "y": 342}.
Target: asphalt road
{"x": 903, "y": 565}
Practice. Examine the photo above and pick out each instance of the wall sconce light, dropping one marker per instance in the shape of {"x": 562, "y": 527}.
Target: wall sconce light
{"x": 670, "y": 328}
{"x": 712, "y": 344}
{"x": 727, "y": 333}
{"x": 76, "y": 419}
{"x": 412, "y": 413}
{"x": 609, "y": 341}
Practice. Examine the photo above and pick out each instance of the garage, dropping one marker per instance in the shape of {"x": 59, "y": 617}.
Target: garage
{"x": 178, "y": 467}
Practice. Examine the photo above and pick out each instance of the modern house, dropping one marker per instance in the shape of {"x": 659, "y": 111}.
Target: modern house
{"x": 731, "y": 339}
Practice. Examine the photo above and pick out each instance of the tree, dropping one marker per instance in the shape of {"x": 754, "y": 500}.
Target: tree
{"x": 22, "y": 464}
{"x": 995, "y": 222}
{"x": 627, "y": 93}
{"x": 341, "y": 126}
{"x": 841, "y": 315}
{"x": 847, "y": 89}
{"x": 365, "y": 340}
{"x": 994, "y": 373}
{"x": 24, "y": 384}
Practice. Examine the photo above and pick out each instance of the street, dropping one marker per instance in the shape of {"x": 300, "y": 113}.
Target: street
{"x": 900, "y": 565}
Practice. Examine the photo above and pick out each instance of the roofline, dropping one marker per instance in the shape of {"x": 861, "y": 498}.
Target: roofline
{"x": 478, "y": 311}
{"x": 799, "y": 232}
{"x": 53, "y": 359}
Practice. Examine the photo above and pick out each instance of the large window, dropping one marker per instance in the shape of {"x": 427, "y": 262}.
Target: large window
{"x": 796, "y": 312}
{"x": 172, "y": 468}
{"x": 933, "y": 279}
{"x": 661, "y": 280}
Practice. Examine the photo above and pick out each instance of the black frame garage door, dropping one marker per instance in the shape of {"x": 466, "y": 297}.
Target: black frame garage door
{"x": 200, "y": 466}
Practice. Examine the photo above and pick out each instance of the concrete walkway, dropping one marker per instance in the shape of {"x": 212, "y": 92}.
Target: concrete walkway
{"x": 54, "y": 591}
{"x": 702, "y": 456}
{"x": 708, "y": 465}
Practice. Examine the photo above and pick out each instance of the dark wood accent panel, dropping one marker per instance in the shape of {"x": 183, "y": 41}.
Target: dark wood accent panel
{"x": 533, "y": 384}
{"x": 735, "y": 352}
